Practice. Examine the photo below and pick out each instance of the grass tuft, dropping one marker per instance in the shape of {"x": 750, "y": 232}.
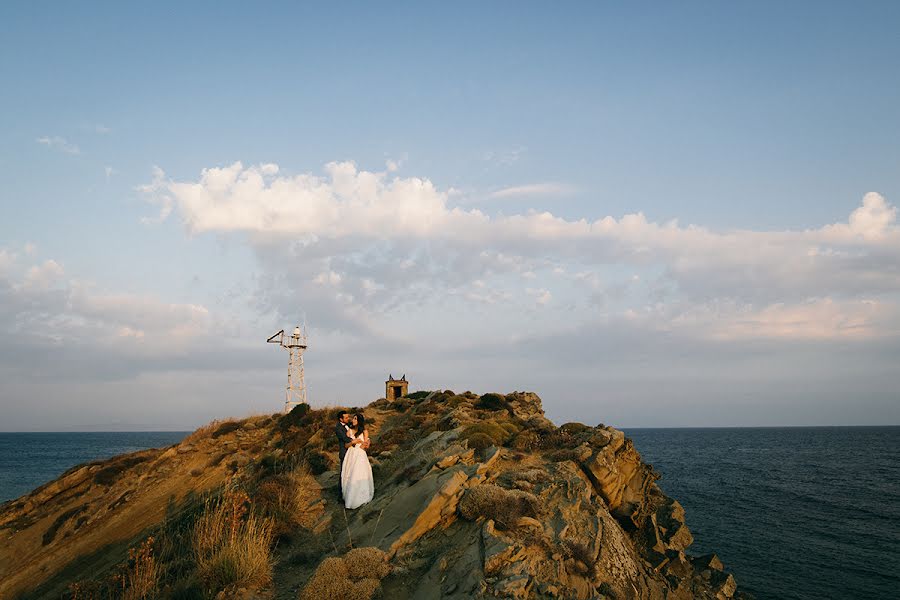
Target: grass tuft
{"x": 232, "y": 546}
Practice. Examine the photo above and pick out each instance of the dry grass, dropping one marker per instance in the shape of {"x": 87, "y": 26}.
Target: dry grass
{"x": 232, "y": 546}
{"x": 143, "y": 572}
{"x": 207, "y": 430}
{"x": 356, "y": 575}
{"x": 505, "y": 507}
{"x": 292, "y": 498}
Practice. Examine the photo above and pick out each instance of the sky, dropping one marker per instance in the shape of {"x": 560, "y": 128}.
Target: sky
{"x": 653, "y": 215}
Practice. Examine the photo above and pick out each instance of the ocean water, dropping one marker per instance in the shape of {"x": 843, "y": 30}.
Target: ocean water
{"x": 29, "y": 459}
{"x": 794, "y": 513}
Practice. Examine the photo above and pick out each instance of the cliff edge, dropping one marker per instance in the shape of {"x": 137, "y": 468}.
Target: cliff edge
{"x": 476, "y": 497}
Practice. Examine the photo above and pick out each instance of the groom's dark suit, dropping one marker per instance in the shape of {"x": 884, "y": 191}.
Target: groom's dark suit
{"x": 340, "y": 430}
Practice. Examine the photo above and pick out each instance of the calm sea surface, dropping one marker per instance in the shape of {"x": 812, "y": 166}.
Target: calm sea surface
{"x": 29, "y": 459}
{"x": 794, "y": 513}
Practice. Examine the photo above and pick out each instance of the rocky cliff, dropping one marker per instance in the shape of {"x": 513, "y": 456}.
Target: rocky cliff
{"x": 476, "y": 497}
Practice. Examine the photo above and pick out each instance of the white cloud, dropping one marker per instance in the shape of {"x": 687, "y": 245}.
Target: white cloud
{"x": 42, "y": 308}
{"x": 504, "y": 157}
{"x": 874, "y": 220}
{"x": 533, "y": 190}
{"x": 541, "y": 296}
{"x": 59, "y": 143}
{"x": 43, "y": 276}
{"x": 355, "y": 244}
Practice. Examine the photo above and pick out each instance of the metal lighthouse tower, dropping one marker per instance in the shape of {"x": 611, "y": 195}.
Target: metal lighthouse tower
{"x": 295, "y": 393}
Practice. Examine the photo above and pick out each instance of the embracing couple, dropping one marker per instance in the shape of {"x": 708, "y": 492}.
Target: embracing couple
{"x": 357, "y": 485}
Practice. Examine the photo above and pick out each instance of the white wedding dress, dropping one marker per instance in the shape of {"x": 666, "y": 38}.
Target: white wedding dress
{"x": 356, "y": 478}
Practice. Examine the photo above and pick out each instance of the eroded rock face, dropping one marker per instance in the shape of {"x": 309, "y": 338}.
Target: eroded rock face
{"x": 580, "y": 515}
{"x": 603, "y": 528}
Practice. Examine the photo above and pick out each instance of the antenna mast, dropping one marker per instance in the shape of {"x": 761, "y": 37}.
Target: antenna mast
{"x": 295, "y": 393}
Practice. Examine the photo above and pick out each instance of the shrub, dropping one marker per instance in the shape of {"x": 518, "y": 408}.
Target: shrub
{"x": 420, "y": 395}
{"x": 493, "y": 402}
{"x": 510, "y": 427}
{"x": 329, "y": 582}
{"x": 497, "y": 434}
{"x": 529, "y": 476}
{"x": 505, "y": 507}
{"x": 295, "y": 417}
{"x": 364, "y": 588}
{"x": 232, "y": 546}
{"x": 367, "y": 562}
{"x": 226, "y": 428}
{"x": 455, "y": 401}
{"x": 356, "y": 575}
{"x": 526, "y": 441}
{"x": 562, "y": 455}
{"x": 480, "y": 441}
{"x": 573, "y": 428}
{"x": 441, "y": 397}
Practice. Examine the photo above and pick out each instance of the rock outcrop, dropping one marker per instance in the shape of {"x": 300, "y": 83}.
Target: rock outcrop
{"x": 476, "y": 497}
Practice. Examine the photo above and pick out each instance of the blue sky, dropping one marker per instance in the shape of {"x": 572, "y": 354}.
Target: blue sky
{"x": 767, "y": 132}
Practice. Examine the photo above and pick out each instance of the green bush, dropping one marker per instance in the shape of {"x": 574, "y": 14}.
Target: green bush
{"x": 573, "y": 428}
{"x": 510, "y": 427}
{"x": 295, "y": 418}
{"x": 420, "y": 395}
{"x": 527, "y": 441}
{"x": 226, "y": 428}
{"x": 493, "y": 431}
{"x": 480, "y": 441}
{"x": 562, "y": 455}
{"x": 493, "y": 402}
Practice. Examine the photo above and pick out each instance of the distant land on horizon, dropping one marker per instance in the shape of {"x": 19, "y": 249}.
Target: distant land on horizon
{"x": 624, "y": 428}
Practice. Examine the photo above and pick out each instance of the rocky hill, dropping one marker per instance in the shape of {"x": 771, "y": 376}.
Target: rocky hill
{"x": 476, "y": 497}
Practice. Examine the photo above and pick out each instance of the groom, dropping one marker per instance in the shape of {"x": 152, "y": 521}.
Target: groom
{"x": 342, "y": 431}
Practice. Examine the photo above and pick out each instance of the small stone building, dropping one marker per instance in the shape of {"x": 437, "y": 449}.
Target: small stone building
{"x": 395, "y": 389}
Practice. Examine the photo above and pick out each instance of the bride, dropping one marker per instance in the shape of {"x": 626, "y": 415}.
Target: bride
{"x": 356, "y": 472}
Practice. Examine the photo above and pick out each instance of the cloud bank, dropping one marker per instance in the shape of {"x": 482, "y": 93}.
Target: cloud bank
{"x": 357, "y": 244}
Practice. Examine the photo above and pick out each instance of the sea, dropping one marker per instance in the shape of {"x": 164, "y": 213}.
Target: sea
{"x": 794, "y": 513}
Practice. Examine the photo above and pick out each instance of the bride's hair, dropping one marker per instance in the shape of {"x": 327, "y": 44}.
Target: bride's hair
{"x": 360, "y": 423}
